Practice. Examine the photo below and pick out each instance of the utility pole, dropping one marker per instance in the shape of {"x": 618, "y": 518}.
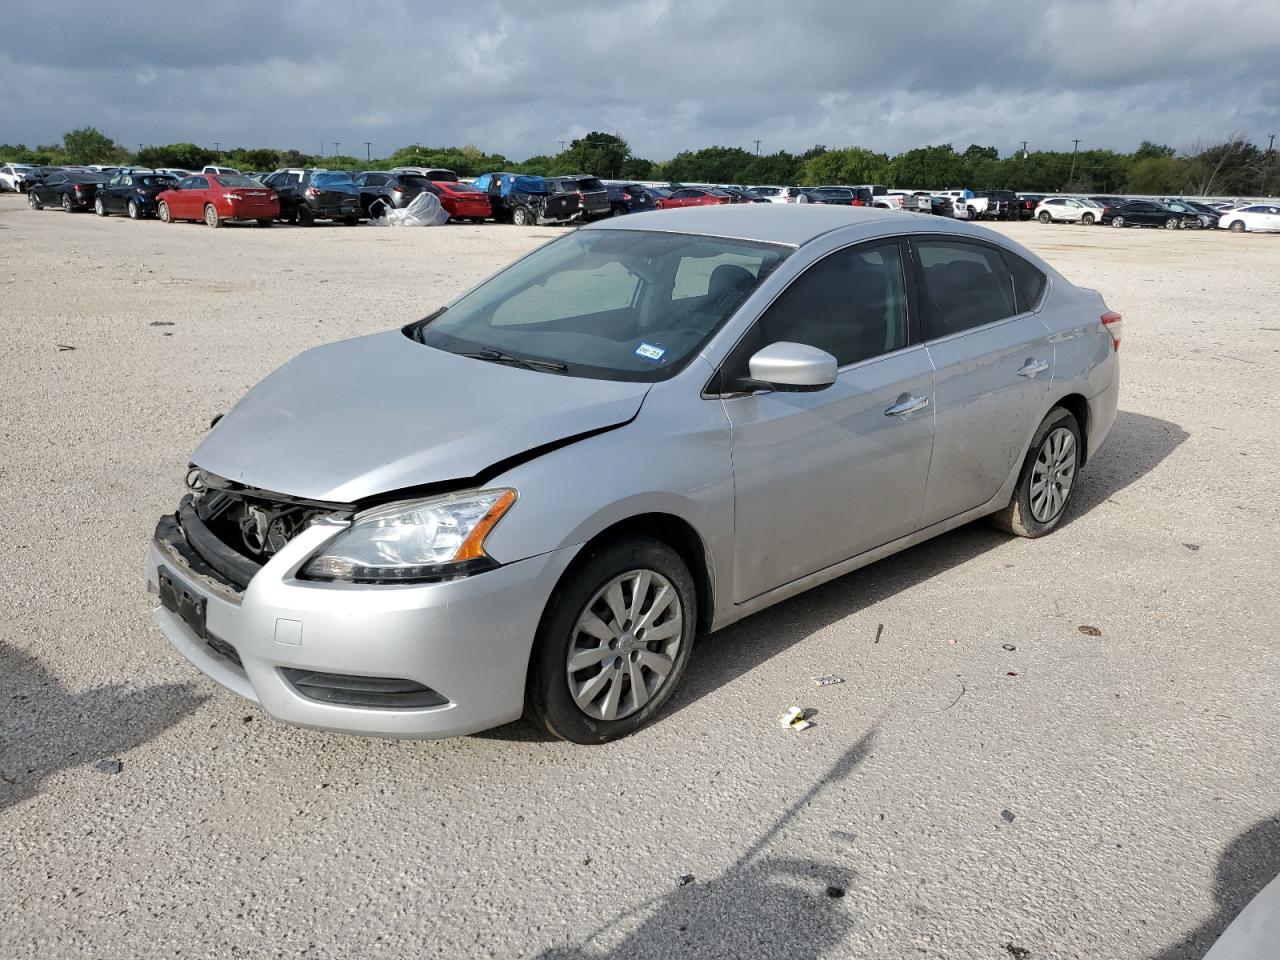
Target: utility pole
{"x": 368, "y": 151}
{"x": 217, "y": 146}
{"x": 139, "y": 148}
{"x": 336, "y": 145}
{"x": 1075, "y": 145}
{"x": 561, "y": 142}
{"x": 1024, "y": 149}
{"x": 1271, "y": 152}
{"x": 757, "y": 148}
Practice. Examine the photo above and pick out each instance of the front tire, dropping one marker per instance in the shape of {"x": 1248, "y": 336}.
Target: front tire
{"x": 521, "y": 217}
{"x": 162, "y": 211}
{"x": 33, "y": 201}
{"x": 98, "y": 207}
{"x": 1173, "y": 223}
{"x": 134, "y": 212}
{"x": 1048, "y": 478}
{"x": 1087, "y": 219}
{"x": 1237, "y": 226}
{"x": 613, "y": 642}
{"x": 1044, "y": 217}
{"x": 66, "y": 203}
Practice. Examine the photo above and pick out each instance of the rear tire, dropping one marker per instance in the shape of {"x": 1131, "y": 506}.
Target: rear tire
{"x": 306, "y": 216}
{"x": 1117, "y": 221}
{"x": 211, "y": 216}
{"x": 266, "y": 222}
{"x": 1044, "y": 217}
{"x": 1237, "y": 226}
{"x": 162, "y": 211}
{"x": 521, "y": 217}
{"x": 1051, "y": 470}
{"x": 548, "y": 696}
{"x": 33, "y": 201}
{"x": 66, "y": 203}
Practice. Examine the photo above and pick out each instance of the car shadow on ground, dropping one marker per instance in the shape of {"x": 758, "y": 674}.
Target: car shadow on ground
{"x": 759, "y": 906}
{"x": 1136, "y": 446}
{"x": 1248, "y": 864}
{"x": 45, "y": 728}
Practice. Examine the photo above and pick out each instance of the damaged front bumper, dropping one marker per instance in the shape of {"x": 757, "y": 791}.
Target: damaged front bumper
{"x": 398, "y": 660}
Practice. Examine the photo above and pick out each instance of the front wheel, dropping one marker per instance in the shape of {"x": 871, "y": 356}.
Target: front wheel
{"x": 1117, "y": 221}
{"x": 1087, "y": 219}
{"x": 134, "y": 212}
{"x": 1173, "y": 223}
{"x": 33, "y": 201}
{"x": 613, "y": 642}
{"x": 1044, "y": 217}
{"x": 211, "y": 215}
{"x": 1237, "y": 226}
{"x": 521, "y": 216}
{"x": 98, "y": 207}
{"x": 162, "y": 211}
{"x": 1047, "y": 480}
{"x": 66, "y": 203}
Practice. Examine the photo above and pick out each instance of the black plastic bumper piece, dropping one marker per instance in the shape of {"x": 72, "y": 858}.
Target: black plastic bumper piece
{"x": 389, "y": 693}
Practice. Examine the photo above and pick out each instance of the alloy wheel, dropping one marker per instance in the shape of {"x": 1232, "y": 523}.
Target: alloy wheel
{"x": 1053, "y": 474}
{"x": 624, "y": 645}
{"x": 133, "y": 210}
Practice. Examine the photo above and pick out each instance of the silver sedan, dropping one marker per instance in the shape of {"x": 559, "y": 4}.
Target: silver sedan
{"x": 537, "y": 498}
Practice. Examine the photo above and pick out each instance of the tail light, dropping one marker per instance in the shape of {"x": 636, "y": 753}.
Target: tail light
{"x": 626, "y": 196}
{"x": 1114, "y": 324}
{"x": 397, "y": 189}
{"x": 312, "y": 191}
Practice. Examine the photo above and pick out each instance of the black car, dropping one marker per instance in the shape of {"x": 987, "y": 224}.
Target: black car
{"x": 380, "y": 191}
{"x": 133, "y": 192}
{"x": 38, "y": 175}
{"x": 1004, "y": 205}
{"x": 69, "y": 189}
{"x": 1205, "y": 216}
{"x": 745, "y": 196}
{"x": 592, "y": 195}
{"x": 1144, "y": 213}
{"x": 310, "y": 195}
{"x": 842, "y": 196}
{"x": 629, "y": 198}
{"x": 942, "y": 206}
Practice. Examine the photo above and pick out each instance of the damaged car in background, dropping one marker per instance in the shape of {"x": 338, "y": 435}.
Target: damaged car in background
{"x": 529, "y": 201}
{"x": 535, "y": 499}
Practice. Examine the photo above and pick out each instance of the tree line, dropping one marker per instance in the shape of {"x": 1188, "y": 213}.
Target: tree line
{"x": 1231, "y": 166}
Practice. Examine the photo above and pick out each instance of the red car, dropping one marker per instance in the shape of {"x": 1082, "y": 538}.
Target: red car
{"x": 218, "y": 197}
{"x": 695, "y": 197}
{"x": 463, "y": 201}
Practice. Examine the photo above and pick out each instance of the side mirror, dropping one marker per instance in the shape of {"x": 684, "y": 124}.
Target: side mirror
{"x": 791, "y": 367}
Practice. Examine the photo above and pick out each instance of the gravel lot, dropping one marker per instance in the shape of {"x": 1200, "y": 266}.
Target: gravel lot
{"x": 989, "y": 777}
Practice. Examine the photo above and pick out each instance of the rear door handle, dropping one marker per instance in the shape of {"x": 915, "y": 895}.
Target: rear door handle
{"x": 906, "y": 404}
{"x": 1032, "y": 367}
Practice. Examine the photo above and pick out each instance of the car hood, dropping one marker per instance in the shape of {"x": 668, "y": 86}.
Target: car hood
{"x": 366, "y": 417}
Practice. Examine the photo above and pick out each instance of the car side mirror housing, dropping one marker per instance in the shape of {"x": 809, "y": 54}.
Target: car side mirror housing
{"x": 790, "y": 367}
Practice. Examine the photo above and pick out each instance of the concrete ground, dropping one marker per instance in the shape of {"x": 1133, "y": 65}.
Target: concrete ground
{"x": 989, "y": 779}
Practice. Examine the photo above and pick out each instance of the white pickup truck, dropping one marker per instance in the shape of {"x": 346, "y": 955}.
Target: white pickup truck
{"x": 880, "y": 196}
{"x": 965, "y": 206}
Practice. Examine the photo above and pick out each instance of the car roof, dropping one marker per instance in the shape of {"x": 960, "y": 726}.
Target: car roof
{"x": 792, "y": 225}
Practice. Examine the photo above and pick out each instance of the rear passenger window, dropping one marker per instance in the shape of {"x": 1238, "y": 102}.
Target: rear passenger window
{"x": 1028, "y": 282}
{"x": 965, "y": 285}
{"x": 852, "y": 304}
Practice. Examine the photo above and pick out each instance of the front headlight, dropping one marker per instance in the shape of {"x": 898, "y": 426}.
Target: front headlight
{"x": 436, "y": 539}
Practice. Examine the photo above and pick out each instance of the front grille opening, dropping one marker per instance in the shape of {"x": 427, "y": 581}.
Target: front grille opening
{"x": 391, "y": 693}
{"x": 224, "y": 650}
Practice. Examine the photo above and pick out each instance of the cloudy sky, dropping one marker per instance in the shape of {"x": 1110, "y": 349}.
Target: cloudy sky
{"x": 516, "y": 77}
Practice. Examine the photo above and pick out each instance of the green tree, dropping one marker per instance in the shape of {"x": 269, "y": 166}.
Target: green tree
{"x": 1150, "y": 151}
{"x": 255, "y": 159}
{"x": 185, "y": 156}
{"x": 780, "y": 169}
{"x": 90, "y": 145}
{"x": 850, "y": 165}
{"x": 709, "y": 165}
{"x": 637, "y": 168}
{"x": 1155, "y": 174}
{"x": 599, "y": 154}
{"x": 928, "y": 168}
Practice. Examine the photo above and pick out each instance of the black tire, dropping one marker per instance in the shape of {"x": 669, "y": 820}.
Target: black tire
{"x": 1117, "y": 221}
{"x": 134, "y": 212}
{"x": 522, "y": 217}
{"x": 306, "y": 216}
{"x": 350, "y": 221}
{"x": 547, "y": 695}
{"x": 66, "y": 203}
{"x": 99, "y": 207}
{"x": 33, "y": 201}
{"x": 1087, "y": 219}
{"x": 1045, "y": 217}
{"x": 618, "y": 211}
{"x": 1017, "y": 517}
{"x": 162, "y": 212}
{"x": 211, "y": 216}
{"x": 1173, "y": 223}
{"x": 266, "y": 222}
{"x": 1237, "y": 226}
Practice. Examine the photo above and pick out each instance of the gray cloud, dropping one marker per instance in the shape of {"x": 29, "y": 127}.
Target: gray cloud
{"x": 667, "y": 75}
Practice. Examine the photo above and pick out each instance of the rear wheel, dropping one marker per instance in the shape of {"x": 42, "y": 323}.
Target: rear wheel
{"x": 66, "y": 203}
{"x": 306, "y": 216}
{"x": 98, "y": 207}
{"x": 350, "y": 221}
{"x": 33, "y": 201}
{"x": 1117, "y": 221}
{"x": 211, "y": 215}
{"x": 162, "y": 211}
{"x": 134, "y": 212}
{"x": 521, "y": 216}
{"x": 614, "y": 641}
{"x": 1044, "y": 217}
{"x": 1087, "y": 219}
{"x": 618, "y": 211}
{"x": 1237, "y": 226}
{"x": 1047, "y": 479}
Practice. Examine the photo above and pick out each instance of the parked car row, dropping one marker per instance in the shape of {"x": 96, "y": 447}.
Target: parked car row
{"x": 1171, "y": 213}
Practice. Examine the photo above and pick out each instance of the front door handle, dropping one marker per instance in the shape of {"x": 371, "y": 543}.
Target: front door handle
{"x": 1032, "y": 367}
{"x": 906, "y": 404}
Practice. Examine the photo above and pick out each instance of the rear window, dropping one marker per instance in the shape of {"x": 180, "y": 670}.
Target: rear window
{"x": 590, "y": 183}
{"x": 332, "y": 179}
{"x": 766, "y": 191}
{"x": 234, "y": 180}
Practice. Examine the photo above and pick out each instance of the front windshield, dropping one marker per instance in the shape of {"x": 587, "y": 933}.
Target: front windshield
{"x": 608, "y": 304}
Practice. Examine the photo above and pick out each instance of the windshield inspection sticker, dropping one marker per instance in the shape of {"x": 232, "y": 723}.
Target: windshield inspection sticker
{"x": 650, "y": 352}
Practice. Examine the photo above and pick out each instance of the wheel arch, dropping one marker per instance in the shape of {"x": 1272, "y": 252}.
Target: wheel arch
{"x": 1076, "y": 405}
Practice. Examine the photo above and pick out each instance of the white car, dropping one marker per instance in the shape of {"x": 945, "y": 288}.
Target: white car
{"x": 777, "y": 194}
{"x": 1067, "y": 210}
{"x": 1258, "y": 217}
{"x": 10, "y": 174}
